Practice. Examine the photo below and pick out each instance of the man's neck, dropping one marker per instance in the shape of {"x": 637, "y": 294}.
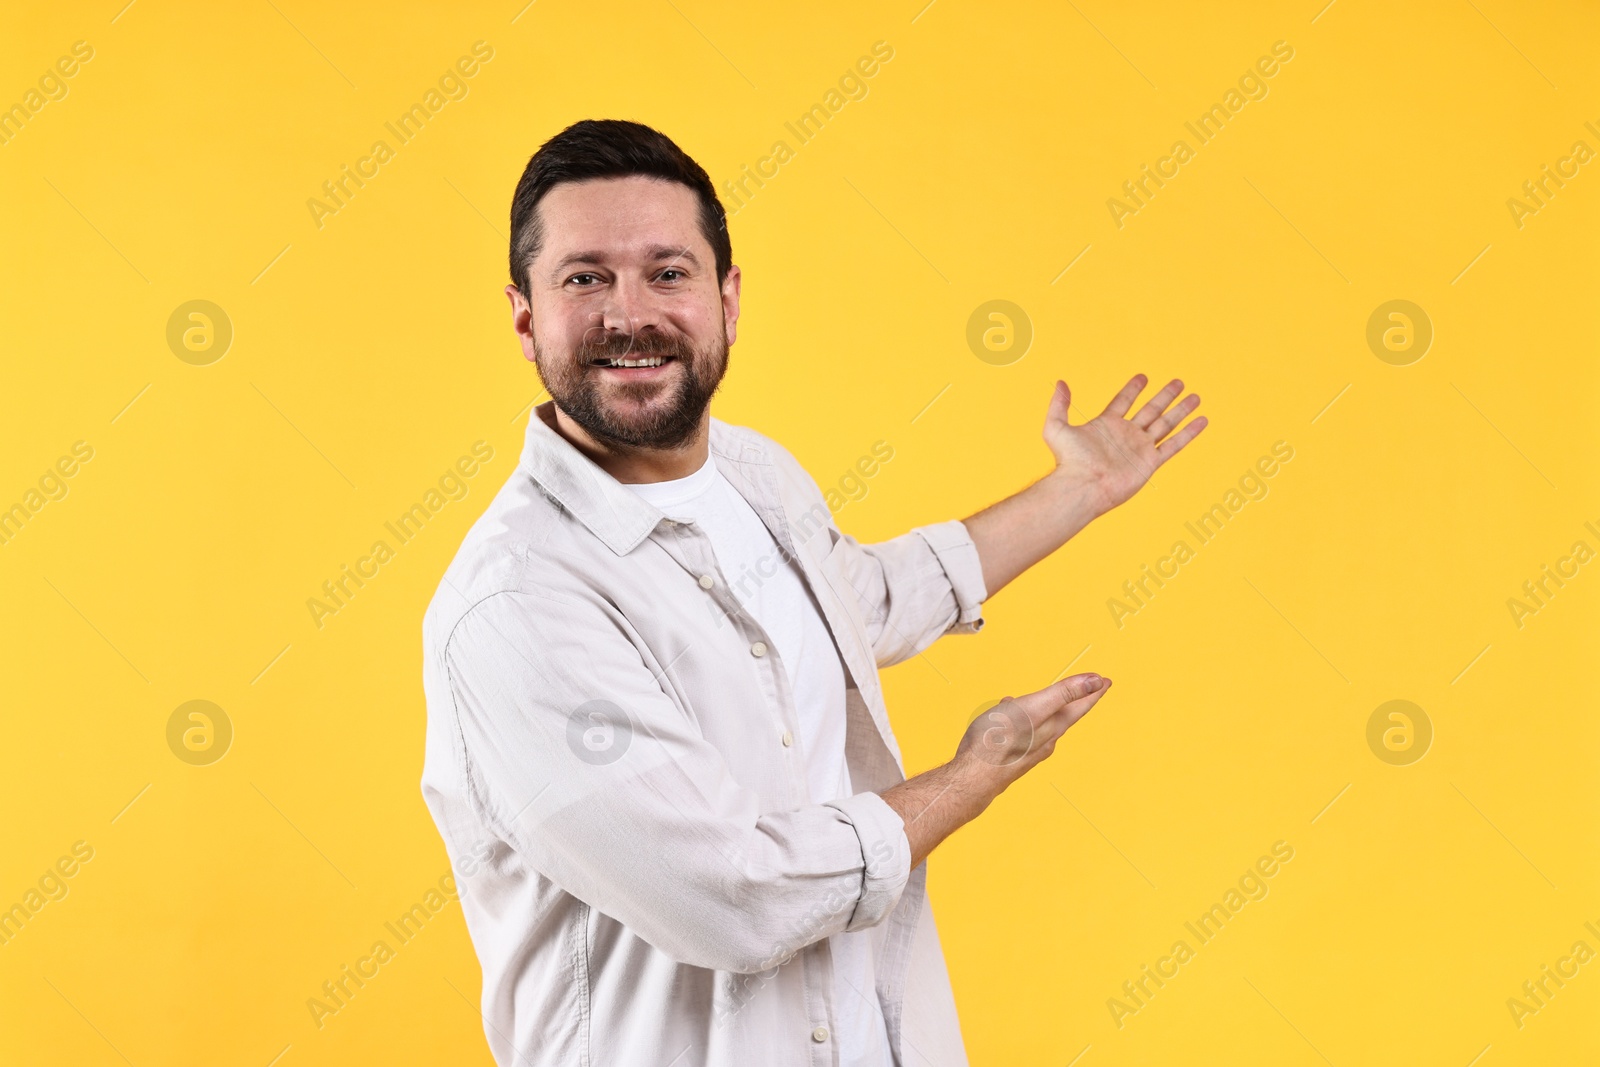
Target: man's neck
{"x": 636, "y": 465}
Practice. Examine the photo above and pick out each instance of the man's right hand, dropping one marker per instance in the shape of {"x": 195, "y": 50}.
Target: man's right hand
{"x": 1001, "y": 745}
{"x": 1016, "y": 734}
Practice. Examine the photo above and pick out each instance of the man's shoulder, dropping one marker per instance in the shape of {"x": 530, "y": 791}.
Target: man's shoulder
{"x": 749, "y": 445}
{"x": 802, "y": 497}
{"x": 522, "y": 545}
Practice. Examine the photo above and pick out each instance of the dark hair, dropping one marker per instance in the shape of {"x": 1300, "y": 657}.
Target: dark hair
{"x": 608, "y": 148}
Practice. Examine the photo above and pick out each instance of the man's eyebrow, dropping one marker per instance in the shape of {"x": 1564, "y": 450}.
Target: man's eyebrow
{"x": 653, "y": 253}
{"x": 577, "y": 257}
{"x": 668, "y": 252}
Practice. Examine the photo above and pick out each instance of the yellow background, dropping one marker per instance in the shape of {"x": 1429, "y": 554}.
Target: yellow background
{"x": 370, "y": 353}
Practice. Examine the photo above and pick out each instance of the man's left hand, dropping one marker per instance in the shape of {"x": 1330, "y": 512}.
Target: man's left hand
{"x": 1109, "y": 457}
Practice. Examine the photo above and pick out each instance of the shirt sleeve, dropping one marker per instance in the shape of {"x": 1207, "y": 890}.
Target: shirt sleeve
{"x": 915, "y": 588}
{"x": 576, "y": 754}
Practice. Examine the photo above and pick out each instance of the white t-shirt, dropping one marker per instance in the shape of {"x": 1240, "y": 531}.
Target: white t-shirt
{"x": 771, "y": 588}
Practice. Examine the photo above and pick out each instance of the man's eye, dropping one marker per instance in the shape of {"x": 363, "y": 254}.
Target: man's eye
{"x": 583, "y": 279}
{"x": 673, "y": 271}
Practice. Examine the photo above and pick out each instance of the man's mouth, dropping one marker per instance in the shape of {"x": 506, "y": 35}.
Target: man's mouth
{"x": 630, "y": 361}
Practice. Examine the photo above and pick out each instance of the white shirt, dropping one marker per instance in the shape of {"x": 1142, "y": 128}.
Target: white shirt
{"x": 771, "y": 588}
{"x": 641, "y": 866}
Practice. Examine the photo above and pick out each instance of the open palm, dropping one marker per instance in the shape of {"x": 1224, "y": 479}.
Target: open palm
{"x": 1112, "y": 455}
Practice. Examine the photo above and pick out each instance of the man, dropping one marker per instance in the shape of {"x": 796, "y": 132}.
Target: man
{"x": 657, "y": 748}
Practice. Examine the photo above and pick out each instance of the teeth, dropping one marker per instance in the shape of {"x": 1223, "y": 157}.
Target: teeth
{"x": 651, "y": 361}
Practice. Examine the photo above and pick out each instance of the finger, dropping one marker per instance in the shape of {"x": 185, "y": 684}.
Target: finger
{"x": 1157, "y": 404}
{"x": 1073, "y": 687}
{"x": 1172, "y": 445}
{"x": 1069, "y": 713}
{"x": 1163, "y": 426}
{"x": 1060, "y": 402}
{"x": 1041, "y": 705}
{"x": 1124, "y": 400}
{"x": 1080, "y": 707}
{"x": 1066, "y": 693}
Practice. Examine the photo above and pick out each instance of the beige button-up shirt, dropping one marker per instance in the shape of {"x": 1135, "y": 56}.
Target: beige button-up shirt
{"x": 613, "y": 762}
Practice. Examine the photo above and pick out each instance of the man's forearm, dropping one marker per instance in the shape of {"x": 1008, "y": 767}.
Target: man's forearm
{"x": 940, "y": 801}
{"x": 1027, "y": 526}
{"x": 999, "y": 747}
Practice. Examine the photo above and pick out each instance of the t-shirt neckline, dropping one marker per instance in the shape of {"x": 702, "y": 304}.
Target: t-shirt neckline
{"x": 677, "y": 491}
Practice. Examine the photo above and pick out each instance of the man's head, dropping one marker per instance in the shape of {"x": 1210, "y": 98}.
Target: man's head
{"x": 620, "y": 251}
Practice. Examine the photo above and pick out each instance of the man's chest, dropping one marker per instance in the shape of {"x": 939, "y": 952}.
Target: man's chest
{"x": 736, "y": 636}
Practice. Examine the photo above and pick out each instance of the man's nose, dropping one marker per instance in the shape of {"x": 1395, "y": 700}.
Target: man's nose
{"x": 630, "y": 307}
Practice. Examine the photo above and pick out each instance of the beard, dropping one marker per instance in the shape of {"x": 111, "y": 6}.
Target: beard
{"x": 663, "y": 413}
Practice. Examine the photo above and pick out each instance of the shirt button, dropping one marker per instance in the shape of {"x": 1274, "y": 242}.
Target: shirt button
{"x": 820, "y": 1034}
{"x": 788, "y": 739}
{"x": 706, "y": 581}
{"x": 758, "y": 649}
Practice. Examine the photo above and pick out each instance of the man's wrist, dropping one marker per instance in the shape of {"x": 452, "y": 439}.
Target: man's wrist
{"x": 939, "y": 801}
{"x": 976, "y": 781}
{"x": 1082, "y": 498}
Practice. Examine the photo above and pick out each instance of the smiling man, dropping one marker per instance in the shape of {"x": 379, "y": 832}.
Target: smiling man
{"x": 679, "y": 814}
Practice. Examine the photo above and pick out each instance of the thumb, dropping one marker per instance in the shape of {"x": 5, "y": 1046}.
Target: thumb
{"x": 1078, "y": 686}
{"x": 1060, "y": 401}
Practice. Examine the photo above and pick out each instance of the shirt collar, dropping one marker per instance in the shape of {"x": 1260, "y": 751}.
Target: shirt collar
{"x": 607, "y": 508}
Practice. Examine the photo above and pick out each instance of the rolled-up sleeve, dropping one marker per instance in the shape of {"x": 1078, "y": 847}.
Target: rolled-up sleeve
{"x": 958, "y": 557}
{"x": 575, "y": 753}
{"x": 914, "y": 588}
{"x": 885, "y": 856}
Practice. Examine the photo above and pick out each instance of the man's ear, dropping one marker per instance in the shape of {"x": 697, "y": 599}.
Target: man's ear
{"x": 730, "y": 303}
{"x": 521, "y": 320}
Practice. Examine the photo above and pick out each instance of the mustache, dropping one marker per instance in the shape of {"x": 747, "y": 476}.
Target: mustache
{"x": 639, "y": 345}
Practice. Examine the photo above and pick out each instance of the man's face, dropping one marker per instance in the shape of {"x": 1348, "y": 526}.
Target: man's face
{"x": 624, "y": 275}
